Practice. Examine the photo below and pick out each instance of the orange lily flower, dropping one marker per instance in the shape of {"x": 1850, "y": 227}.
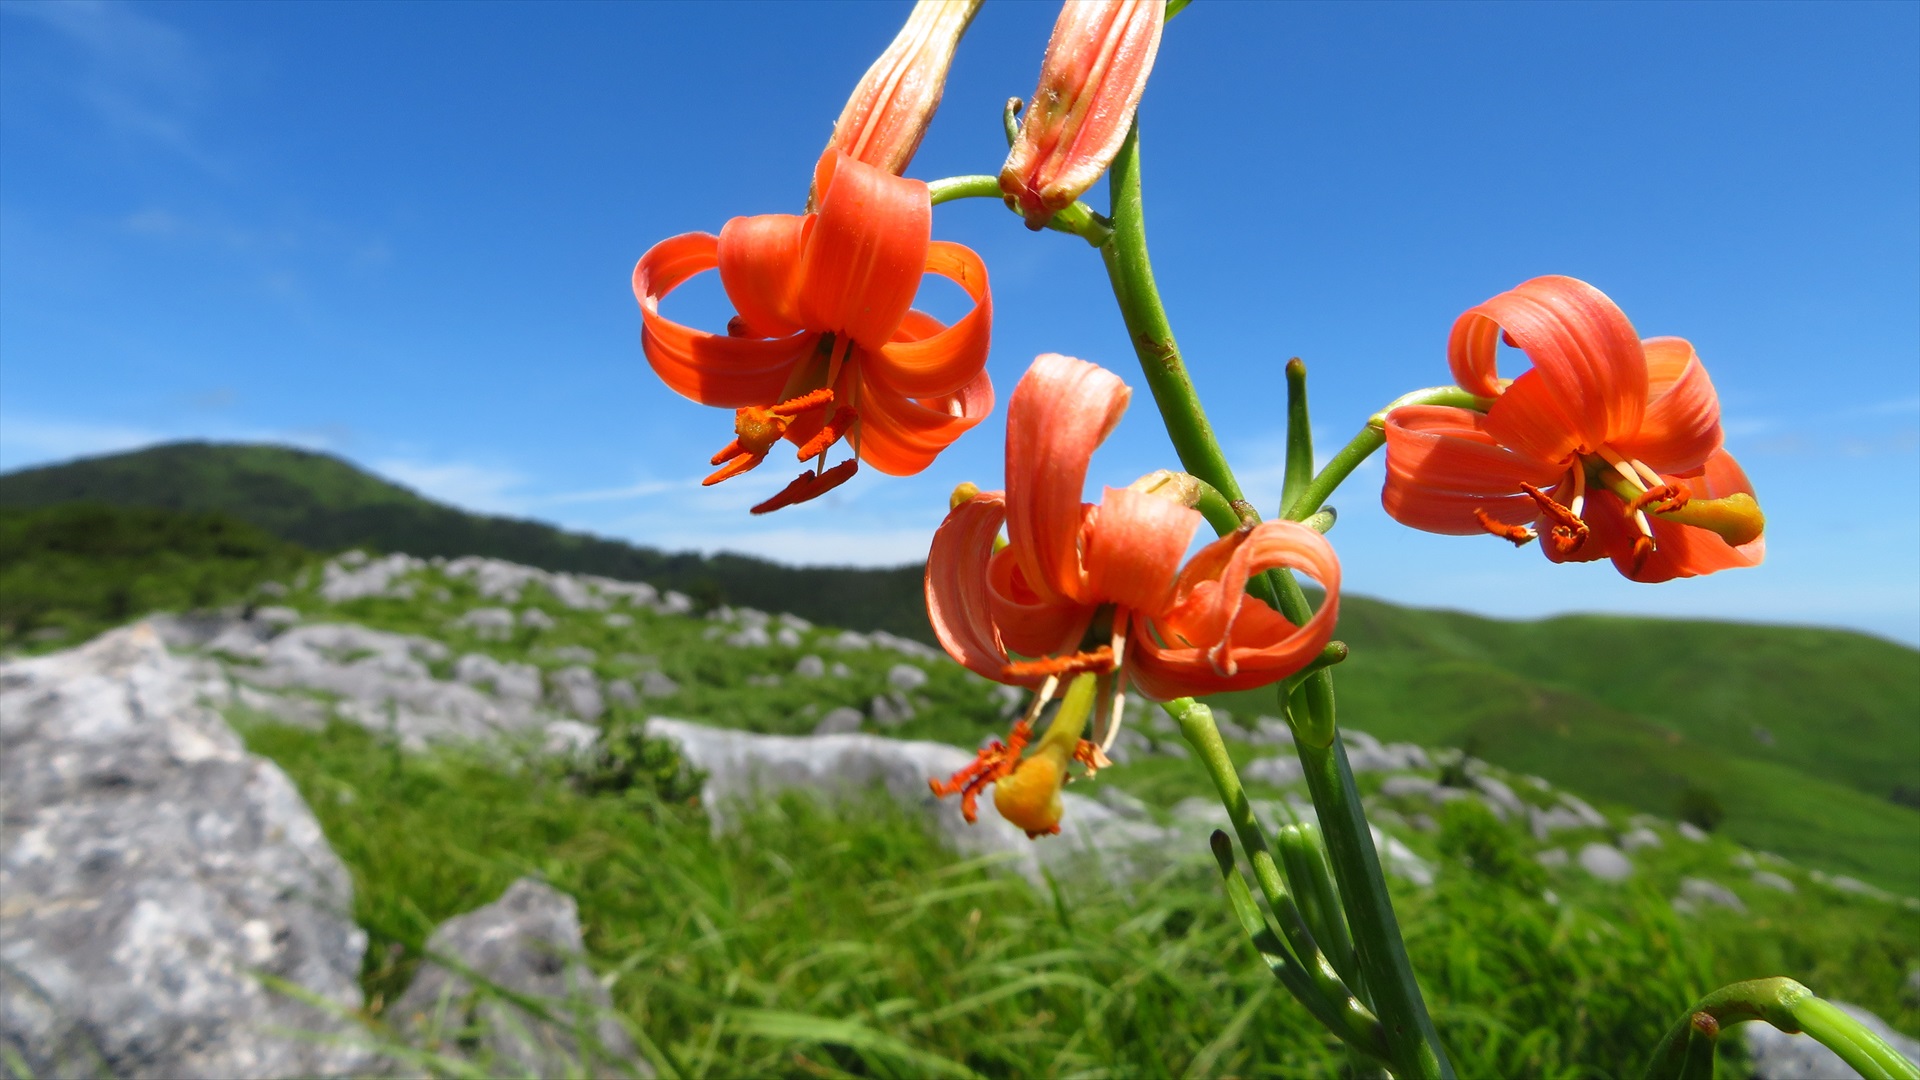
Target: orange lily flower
{"x": 1610, "y": 445}
{"x": 1082, "y": 589}
{"x": 827, "y": 345}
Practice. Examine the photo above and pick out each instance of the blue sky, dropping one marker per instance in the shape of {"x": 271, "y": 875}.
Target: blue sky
{"x": 403, "y": 234}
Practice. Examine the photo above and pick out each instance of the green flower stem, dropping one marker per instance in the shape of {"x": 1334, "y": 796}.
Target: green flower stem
{"x": 1326, "y": 994}
{"x": 1792, "y": 1008}
{"x": 1383, "y": 960}
{"x": 1316, "y": 492}
{"x": 1376, "y": 932}
{"x": 1299, "y": 436}
{"x": 1076, "y": 220}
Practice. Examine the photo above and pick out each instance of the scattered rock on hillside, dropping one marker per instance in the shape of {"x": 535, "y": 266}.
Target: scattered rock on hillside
{"x": 740, "y": 766}
{"x": 810, "y": 667}
{"x": 576, "y": 690}
{"x": 487, "y": 623}
{"x": 1368, "y": 754}
{"x": 890, "y": 710}
{"x": 151, "y": 867}
{"x": 906, "y": 678}
{"x": 1408, "y": 786}
{"x": 573, "y": 654}
{"x": 1606, "y": 862}
{"x": 1776, "y": 1055}
{"x": 1271, "y": 731}
{"x": 510, "y": 681}
{"x": 653, "y": 684}
{"x": 1695, "y": 892}
{"x": 850, "y": 641}
{"x": 1278, "y": 771}
{"x": 622, "y": 692}
{"x": 905, "y": 646}
{"x": 534, "y": 618}
{"x": 349, "y": 578}
{"x": 840, "y": 721}
{"x": 527, "y": 944}
{"x": 1770, "y": 880}
{"x": 1641, "y": 837}
{"x": 1692, "y": 832}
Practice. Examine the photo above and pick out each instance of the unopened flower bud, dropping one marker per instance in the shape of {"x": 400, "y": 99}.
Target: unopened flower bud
{"x": 889, "y": 111}
{"x": 963, "y": 493}
{"x": 1090, "y": 83}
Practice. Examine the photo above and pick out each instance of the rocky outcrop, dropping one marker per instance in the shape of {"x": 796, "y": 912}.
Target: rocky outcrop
{"x": 741, "y": 766}
{"x": 155, "y": 878}
{"x": 469, "y": 998}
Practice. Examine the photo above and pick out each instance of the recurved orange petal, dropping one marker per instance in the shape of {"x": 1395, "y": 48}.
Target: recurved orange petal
{"x": 1681, "y": 429}
{"x": 1581, "y": 343}
{"x": 865, "y": 250}
{"x": 1443, "y": 464}
{"x": 899, "y": 435}
{"x": 1062, "y": 409}
{"x": 956, "y": 584}
{"x": 1134, "y": 542}
{"x": 760, "y": 269}
{"x": 1217, "y": 638}
{"x": 1032, "y": 624}
{"x": 940, "y": 363}
{"x": 711, "y": 369}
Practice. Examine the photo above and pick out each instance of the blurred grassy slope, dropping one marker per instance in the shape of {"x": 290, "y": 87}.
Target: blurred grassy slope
{"x": 1801, "y": 734}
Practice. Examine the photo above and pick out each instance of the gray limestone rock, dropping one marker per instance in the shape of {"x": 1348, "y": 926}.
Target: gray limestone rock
{"x": 150, "y": 869}
{"x": 1692, "y": 832}
{"x": 840, "y": 671}
{"x": 787, "y": 637}
{"x": 487, "y": 623}
{"x": 1606, "y": 862}
{"x": 851, "y": 641}
{"x": 346, "y": 578}
{"x": 1545, "y": 823}
{"x": 576, "y": 690}
{"x": 1278, "y": 771}
{"x": 1641, "y": 837}
{"x": 1702, "y": 891}
{"x": 527, "y": 944}
{"x": 536, "y": 619}
{"x": 1552, "y": 857}
{"x": 1368, "y": 754}
{"x": 1588, "y": 816}
{"x": 741, "y": 766}
{"x": 569, "y": 738}
{"x": 840, "y": 721}
{"x": 810, "y": 667}
{"x": 1271, "y": 731}
{"x": 1500, "y": 797}
{"x": 1776, "y": 1055}
{"x": 750, "y": 637}
{"x": 1770, "y": 880}
{"x": 1408, "y": 787}
{"x": 512, "y": 681}
{"x": 573, "y": 654}
{"x": 653, "y": 684}
{"x": 622, "y": 692}
{"x": 905, "y": 646}
{"x": 1008, "y": 700}
{"x": 618, "y": 621}
{"x": 890, "y": 710}
{"x": 382, "y": 682}
{"x": 906, "y": 678}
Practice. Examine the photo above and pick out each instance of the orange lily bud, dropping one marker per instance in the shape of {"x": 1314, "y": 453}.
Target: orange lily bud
{"x": 1090, "y": 83}
{"x": 891, "y": 108}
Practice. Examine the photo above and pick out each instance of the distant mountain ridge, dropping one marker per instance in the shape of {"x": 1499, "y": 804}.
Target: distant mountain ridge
{"x": 324, "y": 503}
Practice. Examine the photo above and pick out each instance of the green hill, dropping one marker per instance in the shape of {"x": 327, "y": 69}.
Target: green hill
{"x": 1802, "y": 736}
{"x": 326, "y": 504}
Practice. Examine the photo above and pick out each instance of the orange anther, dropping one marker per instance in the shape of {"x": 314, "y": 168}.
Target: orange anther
{"x": 995, "y": 760}
{"x": 728, "y": 453}
{"x": 1100, "y": 661}
{"x": 812, "y": 399}
{"x": 836, "y": 429}
{"x": 1088, "y": 753}
{"x": 1642, "y": 549}
{"x": 1669, "y": 498}
{"x": 809, "y": 485}
{"x": 1520, "y": 535}
{"x": 740, "y": 463}
{"x": 1569, "y": 533}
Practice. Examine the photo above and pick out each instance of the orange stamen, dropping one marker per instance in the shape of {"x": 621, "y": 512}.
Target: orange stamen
{"x": 1099, "y": 661}
{"x": 1088, "y": 753}
{"x": 740, "y": 463}
{"x": 1669, "y": 498}
{"x": 809, "y": 485}
{"x": 1642, "y": 548}
{"x": 1569, "y": 533}
{"x": 1519, "y": 535}
{"x": 835, "y": 430}
{"x": 728, "y": 453}
{"x": 812, "y": 399}
{"x": 995, "y": 760}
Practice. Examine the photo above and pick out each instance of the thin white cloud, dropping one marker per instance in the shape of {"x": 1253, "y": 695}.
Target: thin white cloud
{"x": 139, "y": 75}
{"x": 464, "y": 484}
{"x": 640, "y": 490}
{"x": 27, "y": 441}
